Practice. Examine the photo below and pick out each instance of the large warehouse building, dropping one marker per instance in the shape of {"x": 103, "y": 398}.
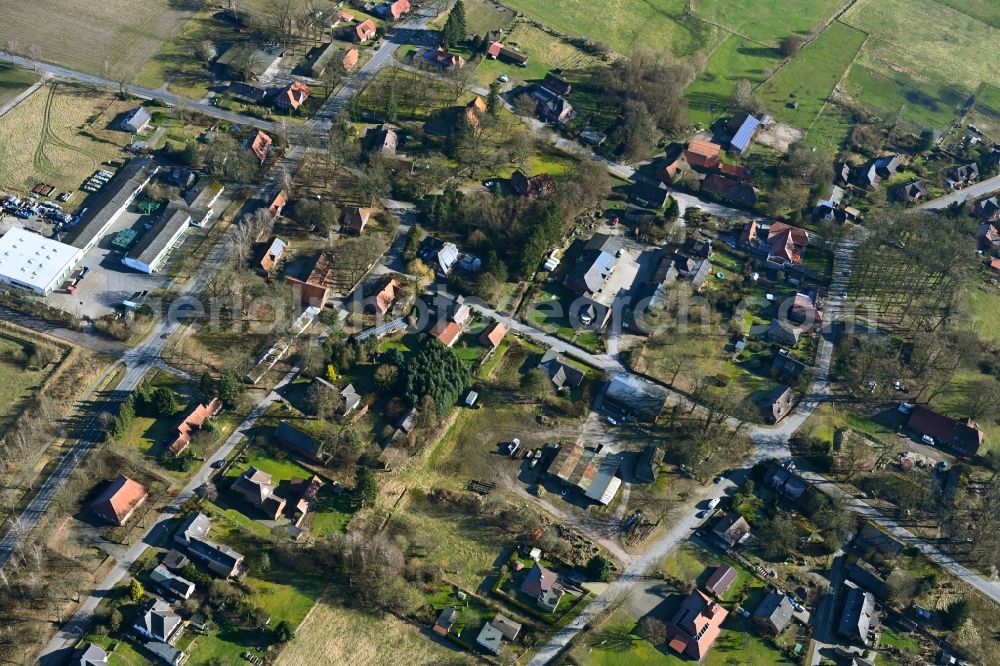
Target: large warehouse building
{"x": 154, "y": 246}
{"x": 31, "y": 261}
{"x": 113, "y": 199}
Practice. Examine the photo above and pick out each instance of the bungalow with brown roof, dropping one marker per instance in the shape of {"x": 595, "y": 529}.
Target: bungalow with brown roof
{"x": 313, "y": 290}
{"x": 557, "y": 84}
{"x": 293, "y": 96}
{"x": 260, "y": 145}
{"x": 256, "y": 488}
{"x": 277, "y": 204}
{"x": 995, "y": 265}
{"x": 306, "y": 492}
{"x": 493, "y": 335}
{"x": 440, "y": 57}
{"x": 364, "y": 31}
{"x": 534, "y": 187}
{"x": 193, "y": 422}
{"x": 356, "y": 219}
{"x": 720, "y": 580}
{"x": 498, "y": 51}
{"x": 961, "y": 435}
{"x": 119, "y": 501}
{"x": 695, "y": 626}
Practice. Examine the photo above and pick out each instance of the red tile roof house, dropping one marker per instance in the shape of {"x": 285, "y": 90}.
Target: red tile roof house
{"x": 720, "y": 580}
{"x": 964, "y": 436}
{"x": 307, "y": 492}
{"x": 117, "y": 504}
{"x": 695, "y": 626}
{"x": 787, "y": 242}
{"x": 294, "y": 96}
{"x": 355, "y": 219}
{"x": 350, "y": 59}
{"x": 399, "y": 8}
{"x": 192, "y": 422}
{"x": 383, "y": 299}
{"x": 365, "y": 31}
{"x": 995, "y": 265}
{"x": 447, "y": 332}
{"x": 474, "y": 110}
{"x": 493, "y": 335}
{"x": 261, "y": 146}
{"x": 277, "y": 204}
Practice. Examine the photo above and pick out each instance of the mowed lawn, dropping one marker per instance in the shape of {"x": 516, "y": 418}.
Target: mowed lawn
{"x": 626, "y": 24}
{"x": 984, "y": 307}
{"x": 767, "y": 21}
{"x": 930, "y": 104}
{"x": 332, "y": 634}
{"x": 737, "y": 58}
{"x": 86, "y": 35}
{"x": 544, "y": 52}
{"x": 930, "y": 39}
{"x": 811, "y": 76}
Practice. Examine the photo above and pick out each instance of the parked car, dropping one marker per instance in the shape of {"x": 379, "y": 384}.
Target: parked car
{"x": 714, "y": 502}
{"x": 611, "y": 421}
{"x": 927, "y": 439}
{"x": 503, "y": 78}
{"x": 905, "y": 408}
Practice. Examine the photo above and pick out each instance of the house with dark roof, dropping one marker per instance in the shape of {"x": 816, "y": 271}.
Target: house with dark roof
{"x": 912, "y": 191}
{"x": 648, "y": 195}
{"x": 119, "y": 501}
{"x": 493, "y": 632}
{"x": 963, "y": 175}
{"x": 730, "y": 189}
{"x": 171, "y": 582}
{"x": 159, "y": 622}
{"x": 217, "y": 558}
{"x": 167, "y": 653}
{"x": 355, "y": 219}
{"x": 773, "y": 613}
{"x": 873, "y": 172}
{"x": 561, "y": 372}
{"x": 872, "y": 538}
{"x": 542, "y": 585}
{"x": 962, "y": 436}
{"x": 787, "y": 367}
{"x": 557, "y": 84}
{"x": 256, "y": 488}
{"x": 720, "y": 580}
{"x": 596, "y": 263}
{"x": 248, "y": 93}
{"x": 695, "y": 626}
{"x": 743, "y": 127}
{"x": 864, "y": 575}
{"x": 638, "y": 398}
{"x": 301, "y": 442}
{"x": 247, "y": 62}
{"x": 535, "y": 187}
{"x": 586, "y": 313}
{"x": 858, "y": 621}
{"x": 785, "y": 482}
{"x": 989, "y": 237}
{"x": 552, "y": 107}
{"x": 987, "y": 210}
{"x": 732, "y": 529}
{"x": 784, "y": 332}
{"x": 445, "y": 621}
{"x": 647, "y": 467}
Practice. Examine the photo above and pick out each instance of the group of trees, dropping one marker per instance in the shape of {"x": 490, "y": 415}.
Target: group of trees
{"x": 455, "y": 28}
{"x": 437, "y": 372}
{"x": 802, "y": 177}
{"x": 646, "y": 92}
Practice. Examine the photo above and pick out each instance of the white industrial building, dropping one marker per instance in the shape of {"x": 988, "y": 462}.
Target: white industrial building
{"x": 31, "y": 261}
{"x": 155, "y": 245}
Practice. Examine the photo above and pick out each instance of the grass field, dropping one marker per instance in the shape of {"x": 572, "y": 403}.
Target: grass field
{"x": 544, "y": 52}
{"x": 336, "y": 635}
{"x": 987, "y": 11}
{"x": 810, "y": 78}
{"x": 13, "y": 81}
{"x": 932, "y": 105}
{"x": 929, "y": 38}
{"x": 735, "y": 59}
{"x": 17, "y": 383}
{"x": 626, "y": 24}
{"x": 58, "y": 135}
{"x": 830, "y": 130}
{"x": 767, "y": 21}
{"x": 177, "y": 61}
{"x": 483, "y": 17}
{"x": 984, "y": 306}
{"x": 85, "y": 36}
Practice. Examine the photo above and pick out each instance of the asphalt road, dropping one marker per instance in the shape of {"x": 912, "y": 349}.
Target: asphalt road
{"x": 980, "y": 189}
{"x": 57, "y": 649}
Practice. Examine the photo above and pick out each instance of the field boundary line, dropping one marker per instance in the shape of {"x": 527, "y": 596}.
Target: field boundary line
{"x": 847, "y": 71}
{"x": 12, "y": 104}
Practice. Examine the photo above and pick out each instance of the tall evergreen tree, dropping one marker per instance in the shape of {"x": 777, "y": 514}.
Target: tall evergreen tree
{"x": 455, "y": 28}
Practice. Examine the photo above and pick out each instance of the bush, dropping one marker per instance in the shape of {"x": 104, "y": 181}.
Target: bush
{"x": 598, "y": 568}
{"x": 956, "y": 614}
{"x": 284, "y": 631}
